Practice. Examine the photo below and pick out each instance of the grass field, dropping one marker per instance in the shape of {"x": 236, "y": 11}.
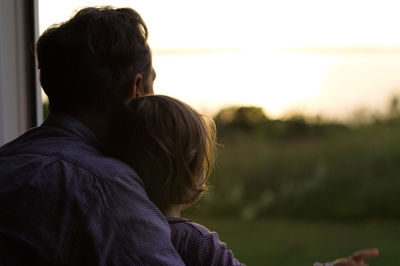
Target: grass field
{"x": 281, "y": 242}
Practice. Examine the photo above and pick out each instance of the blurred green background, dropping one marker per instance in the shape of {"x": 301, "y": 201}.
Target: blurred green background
{"x": 297, "y": 190}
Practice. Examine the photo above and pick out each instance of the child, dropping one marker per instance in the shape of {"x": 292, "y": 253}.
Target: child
{"x": 171, "y": 147}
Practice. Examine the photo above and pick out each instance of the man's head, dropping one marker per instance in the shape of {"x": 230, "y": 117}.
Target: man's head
{"x": 95, "y": 61}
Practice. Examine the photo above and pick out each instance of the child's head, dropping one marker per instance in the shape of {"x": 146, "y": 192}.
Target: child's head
{"x": 168, "y": 144}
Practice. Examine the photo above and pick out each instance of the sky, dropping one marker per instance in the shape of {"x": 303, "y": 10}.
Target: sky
{"x": 242, "y": 24}
{"x": 316, "y": 56}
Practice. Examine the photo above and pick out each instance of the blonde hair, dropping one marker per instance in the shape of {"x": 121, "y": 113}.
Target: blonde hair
{"x": 168, "y": 143}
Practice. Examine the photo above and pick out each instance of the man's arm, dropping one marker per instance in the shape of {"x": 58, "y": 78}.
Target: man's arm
{"x": 141, "y": 230}
{"x": 84, "y": 216}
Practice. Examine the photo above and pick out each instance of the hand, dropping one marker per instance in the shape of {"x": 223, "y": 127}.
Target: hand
{"x": 357, "y": 259}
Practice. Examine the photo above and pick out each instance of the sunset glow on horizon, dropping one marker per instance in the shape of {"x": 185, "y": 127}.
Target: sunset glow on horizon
{"x": 279, "y": 55}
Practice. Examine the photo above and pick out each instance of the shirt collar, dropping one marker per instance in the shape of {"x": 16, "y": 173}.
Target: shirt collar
{"x": 73, "y": 126}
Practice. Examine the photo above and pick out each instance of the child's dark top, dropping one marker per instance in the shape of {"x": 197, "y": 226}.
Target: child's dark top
{"x": 197, "y": 245}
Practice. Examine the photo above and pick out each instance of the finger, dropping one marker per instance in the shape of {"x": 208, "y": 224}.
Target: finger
{"x": 365, "y": 254}
{"x": 345, "y": 262}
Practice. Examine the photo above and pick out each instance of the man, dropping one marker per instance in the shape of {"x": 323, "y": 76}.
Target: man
{"x": 61, "y": 201}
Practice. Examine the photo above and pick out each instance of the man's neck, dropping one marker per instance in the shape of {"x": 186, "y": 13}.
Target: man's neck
{"x": 96, "y": 122}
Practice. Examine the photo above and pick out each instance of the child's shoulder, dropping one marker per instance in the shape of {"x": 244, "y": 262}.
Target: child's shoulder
{"x": 197, "y": 245}
{"x": 187, "y": 226}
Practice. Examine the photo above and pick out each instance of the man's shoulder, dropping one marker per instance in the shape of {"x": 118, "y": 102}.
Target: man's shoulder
{"x": 42, "y": 147}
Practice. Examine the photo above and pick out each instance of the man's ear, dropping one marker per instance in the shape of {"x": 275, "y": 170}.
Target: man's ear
{"x": 137, "y": 89}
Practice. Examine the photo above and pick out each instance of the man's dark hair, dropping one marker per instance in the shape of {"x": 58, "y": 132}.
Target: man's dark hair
{"x": 89, "y": 62}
